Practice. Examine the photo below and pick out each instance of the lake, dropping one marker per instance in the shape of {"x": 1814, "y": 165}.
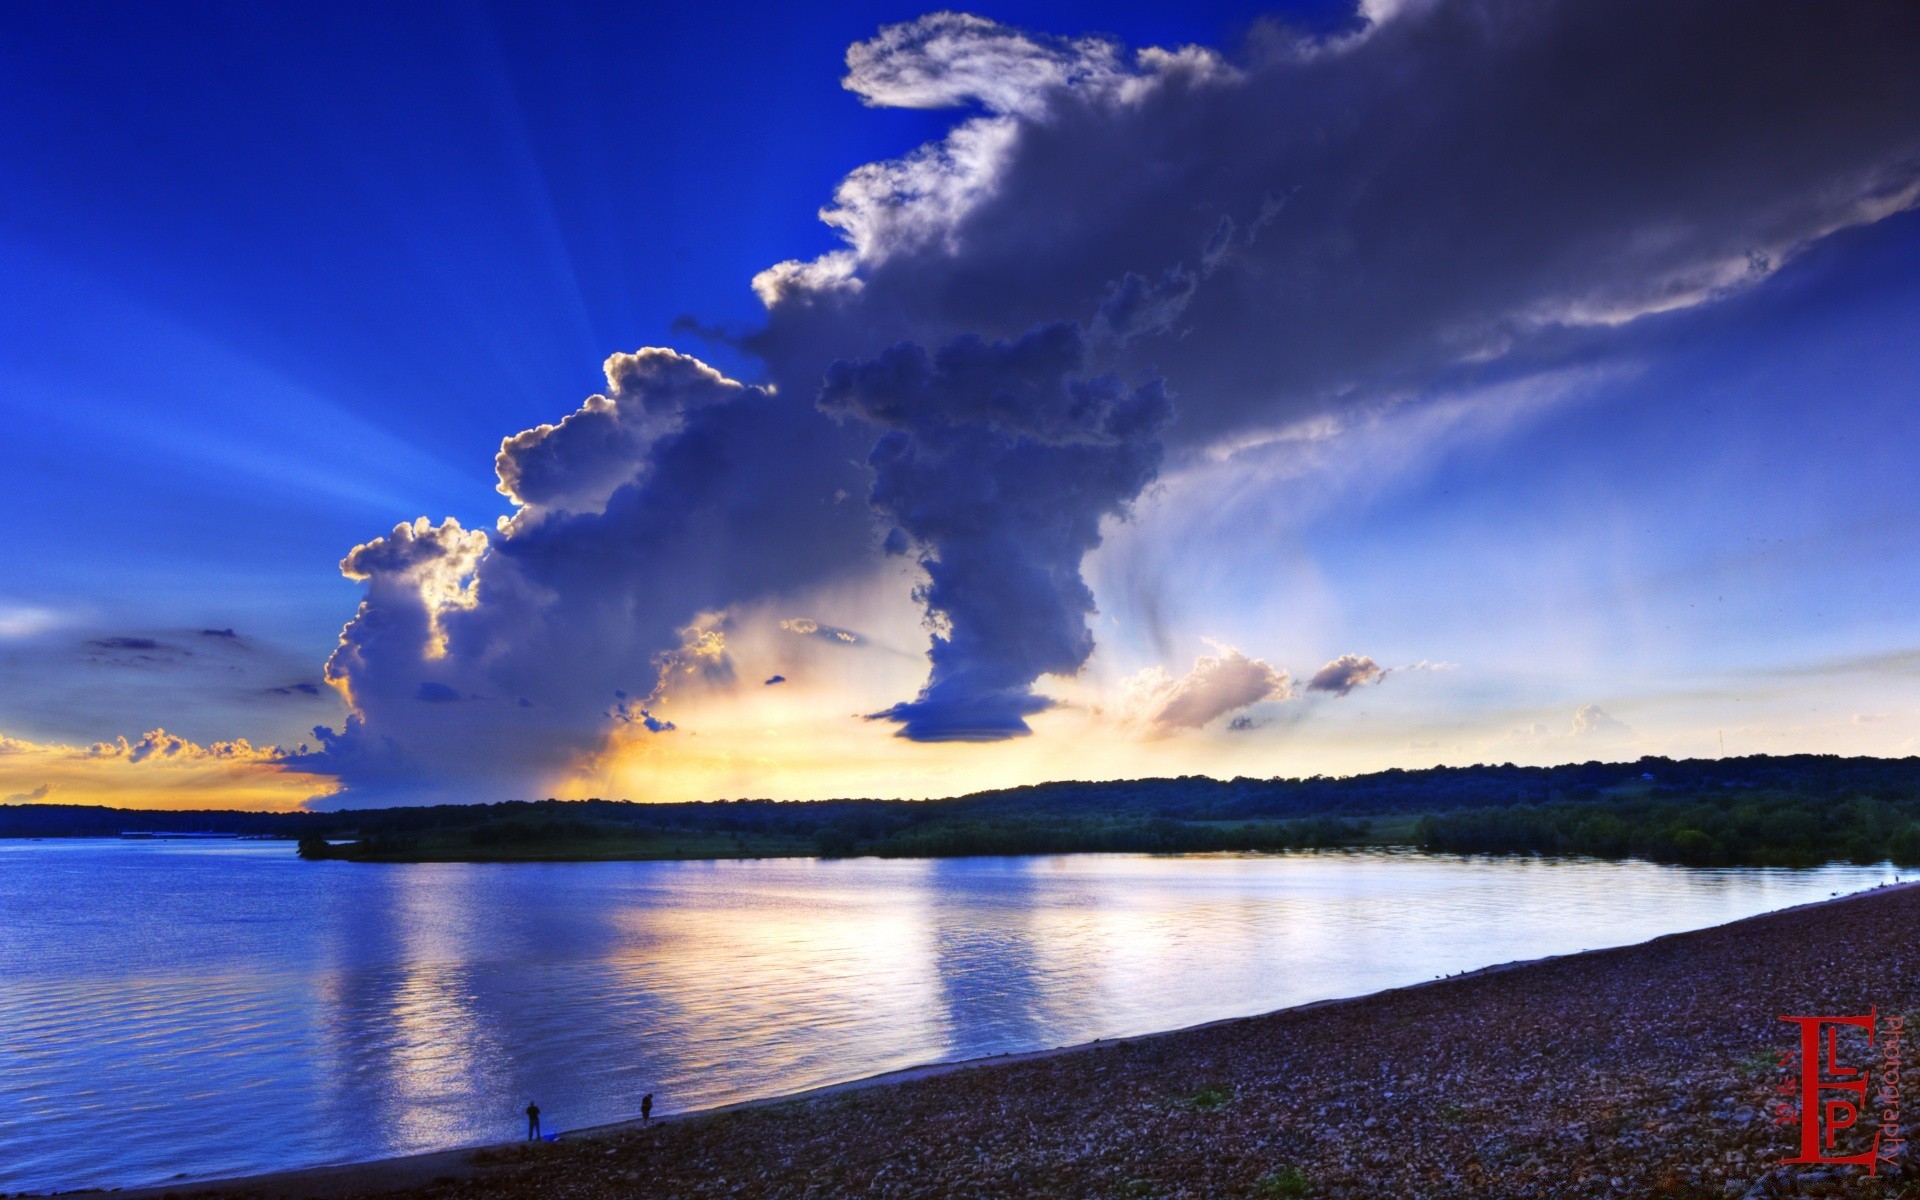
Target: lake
{"x": 207, "y": 1008}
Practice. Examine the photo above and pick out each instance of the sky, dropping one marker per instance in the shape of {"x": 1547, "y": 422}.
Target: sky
{"x": 463, "y": 403}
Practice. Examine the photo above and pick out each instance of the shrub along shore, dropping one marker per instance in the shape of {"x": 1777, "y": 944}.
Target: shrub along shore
{"x": 1645, "y": 1071}
{"x": 1795, "y": 810}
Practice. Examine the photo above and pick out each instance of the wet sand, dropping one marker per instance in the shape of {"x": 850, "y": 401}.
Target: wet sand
{"x": 1639, "y": 1071}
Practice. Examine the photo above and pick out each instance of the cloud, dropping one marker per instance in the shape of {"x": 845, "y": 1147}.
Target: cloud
{"x": 123, "y": 643}
{"x": 157, "y": 770}
{"x": 125, "y": 650}
{"x": 19, "y": 621}
{"x": 948, "y": 59}
{"x": 225, "y": 634}
{"x": 695, "y": 494}
{"x": 808, "y": 627}
{"x": 628, "y": 711}
{"x": 1216, "y": 685}
{"x": 1306, "y": 230}
{"x": 1335, "y": 222}
{"x": 1346, "y": 673}
{"x": 578, "y": 463}
{"x": 417, "y": 575}
{"x": 999, "y": 461}
{"x": 773, "y": 679}
{"x": 701, "y": 656}
{"x": 303, "y": 688}
{"x": 1591, "y": 721}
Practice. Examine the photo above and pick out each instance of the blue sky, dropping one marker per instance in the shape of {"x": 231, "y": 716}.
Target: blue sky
{"x": 248, "y": 230}
{"x": 283, "y": 277}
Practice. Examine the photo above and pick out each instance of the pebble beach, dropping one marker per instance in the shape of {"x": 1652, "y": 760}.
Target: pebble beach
{"x": 1643, "y": 1071}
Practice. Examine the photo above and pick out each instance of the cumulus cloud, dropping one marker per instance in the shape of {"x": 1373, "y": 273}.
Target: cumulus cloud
{"x": 1534, "y": 732}
{"x": 695, "y": 493}
{"x": 578, "y": 463}
{"x": 1300, "y": 228}
{"x": 1591, "y": 721}
{"x": 999, "y": 461}
{"x": 416, "y": 576}
{"x": 1217, "y": 684}
{"x": 157, "y": 769}
{"x": 159, "y": 744}
{"x": 1346, "y": 673}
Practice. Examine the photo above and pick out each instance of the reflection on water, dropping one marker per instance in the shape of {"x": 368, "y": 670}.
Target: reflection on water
{"x": 216, "y": 1008}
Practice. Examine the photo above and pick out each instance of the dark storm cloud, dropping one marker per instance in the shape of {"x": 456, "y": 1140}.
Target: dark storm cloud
{"x": 123, "y": 643}
{"x": 998, "y": 463}
{"x": 1304, "y": 226}
{"x": 1324, "y": 221}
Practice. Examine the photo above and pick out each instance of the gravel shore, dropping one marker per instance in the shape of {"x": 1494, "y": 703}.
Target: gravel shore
{"x": 1645, "y": 1071}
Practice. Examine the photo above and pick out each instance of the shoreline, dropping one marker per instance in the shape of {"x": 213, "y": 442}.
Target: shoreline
{"x": 465, "y": 1165}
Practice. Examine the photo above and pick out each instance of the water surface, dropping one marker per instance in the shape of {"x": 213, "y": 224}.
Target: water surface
{"x": 215, "y": 1008}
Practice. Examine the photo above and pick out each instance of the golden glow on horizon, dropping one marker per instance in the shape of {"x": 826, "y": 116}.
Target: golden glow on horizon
{"x": 157, "y": 771}
{"x": 857, "y": 648}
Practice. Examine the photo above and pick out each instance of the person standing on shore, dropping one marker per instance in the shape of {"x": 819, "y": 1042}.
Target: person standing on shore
{"x": 646, "y": 1109}
{"x": 533, "y": 1121}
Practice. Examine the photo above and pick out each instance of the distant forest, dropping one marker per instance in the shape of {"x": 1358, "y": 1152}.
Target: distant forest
{"x": 1795, "y": 810}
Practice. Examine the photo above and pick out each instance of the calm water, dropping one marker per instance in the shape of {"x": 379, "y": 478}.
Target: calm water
{"x": 210, "y": 1008}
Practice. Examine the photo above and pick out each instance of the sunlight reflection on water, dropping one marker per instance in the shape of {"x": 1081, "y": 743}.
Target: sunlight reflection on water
{"x": 214, "y": 1008}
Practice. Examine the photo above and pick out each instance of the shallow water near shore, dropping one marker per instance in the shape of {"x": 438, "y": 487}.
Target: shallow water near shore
{"x": 204, "y": 1009}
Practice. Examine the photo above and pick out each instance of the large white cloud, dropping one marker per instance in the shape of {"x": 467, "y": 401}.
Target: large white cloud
{"x": 483, "y": 663}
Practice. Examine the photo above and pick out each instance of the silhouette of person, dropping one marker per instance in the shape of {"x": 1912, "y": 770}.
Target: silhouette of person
{"x": 533, "y": 1121}
{"x": 646, "y": 1108}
